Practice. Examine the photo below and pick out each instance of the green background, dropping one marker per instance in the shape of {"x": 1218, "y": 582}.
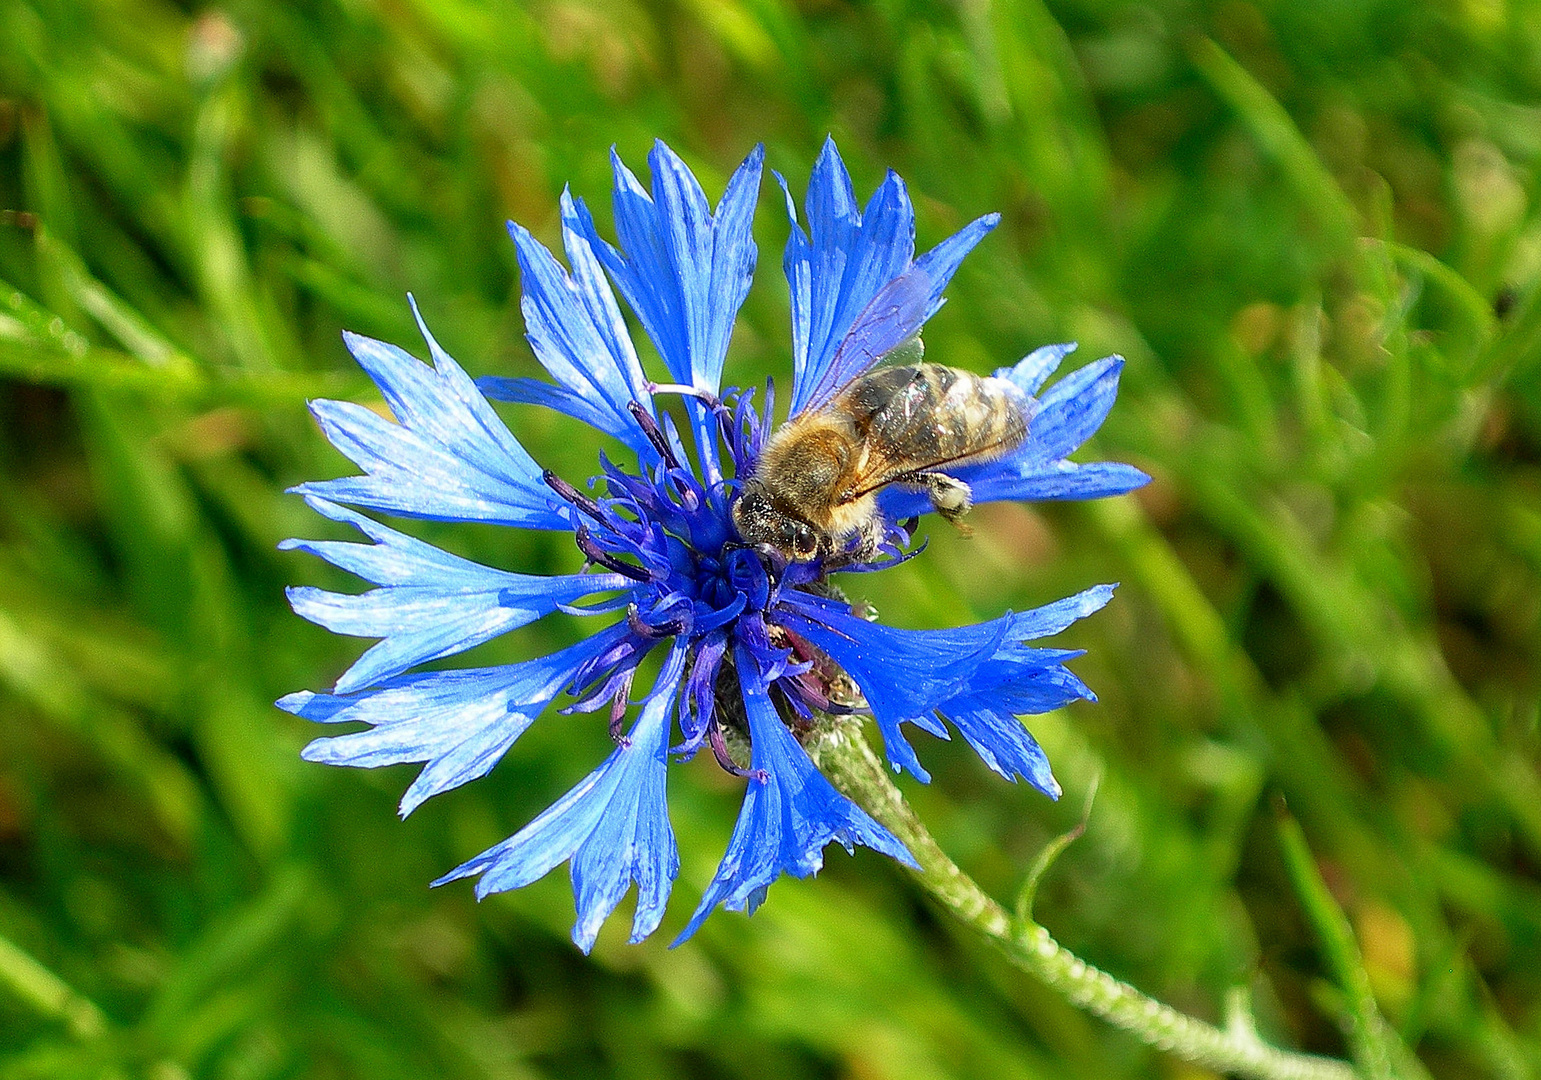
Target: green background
{"x": 1310, "y": 225}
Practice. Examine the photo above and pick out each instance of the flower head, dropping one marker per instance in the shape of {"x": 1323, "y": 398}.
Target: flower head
{"x": 756, "y": 650}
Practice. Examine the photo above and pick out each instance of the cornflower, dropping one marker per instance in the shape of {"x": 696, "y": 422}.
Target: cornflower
{"x": 756, "y": 651}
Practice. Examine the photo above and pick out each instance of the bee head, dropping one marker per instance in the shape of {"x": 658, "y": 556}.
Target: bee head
{"x": 759, "y": 522}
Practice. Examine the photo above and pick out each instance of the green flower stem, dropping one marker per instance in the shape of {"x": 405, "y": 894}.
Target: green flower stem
{"x": 846, "y": 758}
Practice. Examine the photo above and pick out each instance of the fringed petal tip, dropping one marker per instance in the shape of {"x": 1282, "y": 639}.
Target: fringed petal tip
{"x": 857, "y": 291}
{"x": 447, "y": 456}
{"x": 909, "y": 676}
{"x": 429, "y": 604}
{"x": 613, "y": 828}
{"x": 295, "y": 703}
{"x": 683, "y": 269}
{"x": 575, "y": 328}
{"x": 791, "y": 812}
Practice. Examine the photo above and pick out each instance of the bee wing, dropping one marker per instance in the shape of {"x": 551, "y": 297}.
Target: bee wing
{"x": 906, "y": 434}
{"x": 908, "y": 354}
{"x": 880, "y": 466}
{"x": 893, "y": 317}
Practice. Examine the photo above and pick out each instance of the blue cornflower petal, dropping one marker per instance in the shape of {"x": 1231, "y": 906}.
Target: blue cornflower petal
{"x": 904, "y": 674}
{"x": 614, "y": 826}
{"x": 1033, "y": 370}
{"x": 1072, "y": 410}
{"x": 1028, "y": 681}
{"x": 458, "y": 722}
{"x": 1050, "y": 619}
{"x": 684, "y": 271}
{"x": 1065, "y": 417}
{"x": 790, "y": 813}
{"x": 522, "y": 390}
{"x": 1020, "y": 680}
{"x": 1060, "y": 480}
{"x": 1005, "y": 746}
{"x": 836, "y": 268}
{"x": 430, "y": 603}
{"x": 575, "y": 328}
{"x": 449, "y": 457}
{"x": 855, "y": 293}
{"x": 908, "y": 675}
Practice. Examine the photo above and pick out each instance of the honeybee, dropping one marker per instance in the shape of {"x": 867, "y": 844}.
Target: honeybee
{"x": 817, "y": 481}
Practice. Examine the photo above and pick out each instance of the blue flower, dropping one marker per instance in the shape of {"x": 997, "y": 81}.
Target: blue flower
{"x": 757, "y": 651}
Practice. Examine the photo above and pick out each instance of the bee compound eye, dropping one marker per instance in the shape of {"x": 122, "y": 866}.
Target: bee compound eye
{"x": 805, "y": 544}
{"x": 751, "y": 516}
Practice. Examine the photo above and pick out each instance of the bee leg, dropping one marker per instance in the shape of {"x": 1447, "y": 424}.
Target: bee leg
{"x": 951, "y": 498}
{"x": 869, "y": 539}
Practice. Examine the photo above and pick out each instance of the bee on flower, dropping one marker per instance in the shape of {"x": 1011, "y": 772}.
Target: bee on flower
{"x": 715, "y": 553}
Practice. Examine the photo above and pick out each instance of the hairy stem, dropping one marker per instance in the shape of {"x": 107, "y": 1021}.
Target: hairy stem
{"x": 846, "y": 758}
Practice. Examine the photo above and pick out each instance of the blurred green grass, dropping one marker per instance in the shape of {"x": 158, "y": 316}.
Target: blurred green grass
{"x": 1311, "y": 227}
